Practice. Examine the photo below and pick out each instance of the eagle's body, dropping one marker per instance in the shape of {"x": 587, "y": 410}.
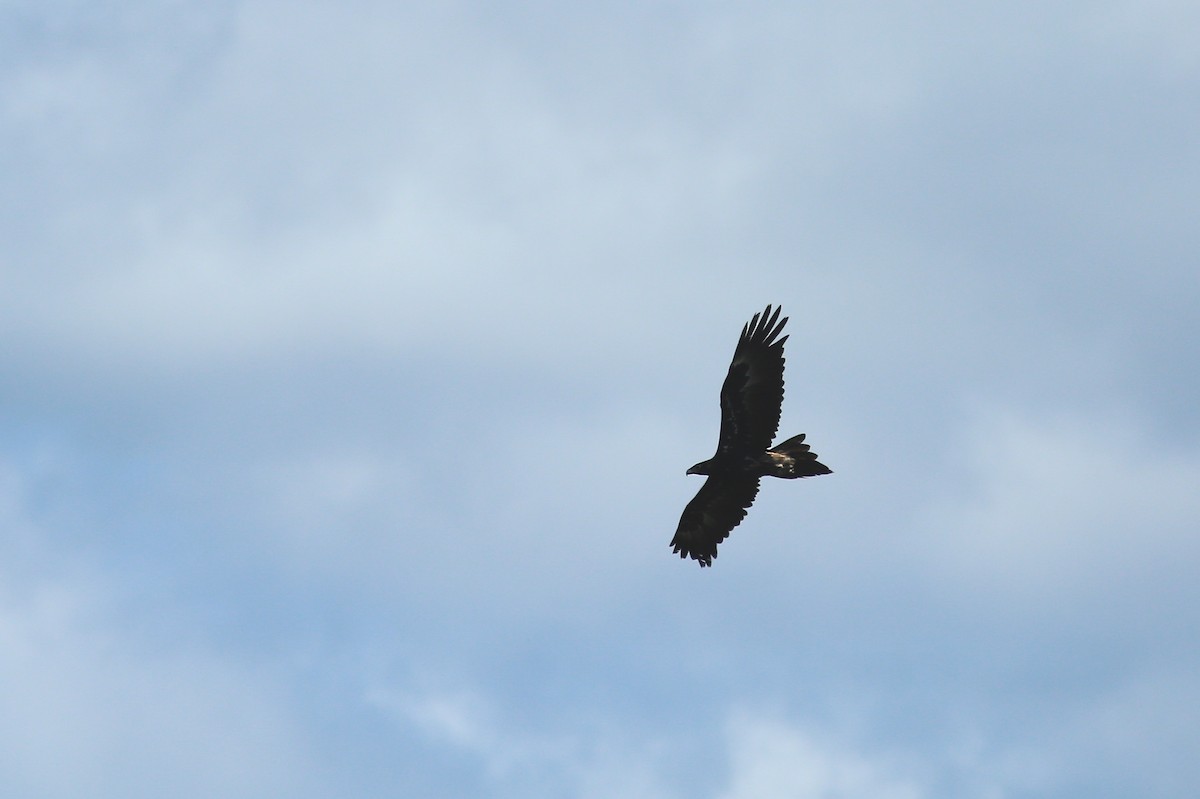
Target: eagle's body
{"x": 751, "y": 398}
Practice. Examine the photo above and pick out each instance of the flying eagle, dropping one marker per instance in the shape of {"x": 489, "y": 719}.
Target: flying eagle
{"x": 750, "y": 402}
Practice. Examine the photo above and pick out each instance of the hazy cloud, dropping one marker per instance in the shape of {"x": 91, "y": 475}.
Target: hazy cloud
{"x": 356, "y": 353}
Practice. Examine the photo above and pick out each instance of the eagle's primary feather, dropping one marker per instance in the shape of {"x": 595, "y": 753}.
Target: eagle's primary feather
{"x": 751, "y": 398}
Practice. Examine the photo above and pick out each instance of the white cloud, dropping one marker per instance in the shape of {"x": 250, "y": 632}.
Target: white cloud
{"x": 1154, "y": 31}
{"x": 584, "y": 762}
{"x": 1064, "y": 510}
{"x": 88, "y": 708}
{"x": 511, "y": 510}
{"x": 1146, "y": 727}
{"x": 776, "y": 760}
{"x": 419, "y": 311}
{"x": 766, "y": 758}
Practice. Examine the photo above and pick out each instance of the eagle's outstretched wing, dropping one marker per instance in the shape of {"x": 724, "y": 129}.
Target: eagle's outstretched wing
{"x": 752, "y": 394}
{"x": 717, "y": 508}
{"x": 751, "y": 398}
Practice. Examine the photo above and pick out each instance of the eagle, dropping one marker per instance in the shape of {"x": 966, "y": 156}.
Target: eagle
{"x": 751, "y": 398}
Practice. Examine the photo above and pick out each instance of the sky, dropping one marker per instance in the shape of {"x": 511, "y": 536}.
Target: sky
{"x": 354, "y": 354}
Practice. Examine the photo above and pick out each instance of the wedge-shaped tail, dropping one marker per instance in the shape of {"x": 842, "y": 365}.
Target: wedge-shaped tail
{"x": 793, "y": 458}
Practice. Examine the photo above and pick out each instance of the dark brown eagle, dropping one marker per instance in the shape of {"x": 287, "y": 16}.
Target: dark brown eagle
{"x": 750, "y": 402}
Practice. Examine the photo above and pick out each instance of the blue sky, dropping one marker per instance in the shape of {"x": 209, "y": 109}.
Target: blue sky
{"x": 354, "y": 354}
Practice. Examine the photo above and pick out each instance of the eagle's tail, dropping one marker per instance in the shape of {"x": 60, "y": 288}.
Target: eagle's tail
{"x": 793, "y": 458}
